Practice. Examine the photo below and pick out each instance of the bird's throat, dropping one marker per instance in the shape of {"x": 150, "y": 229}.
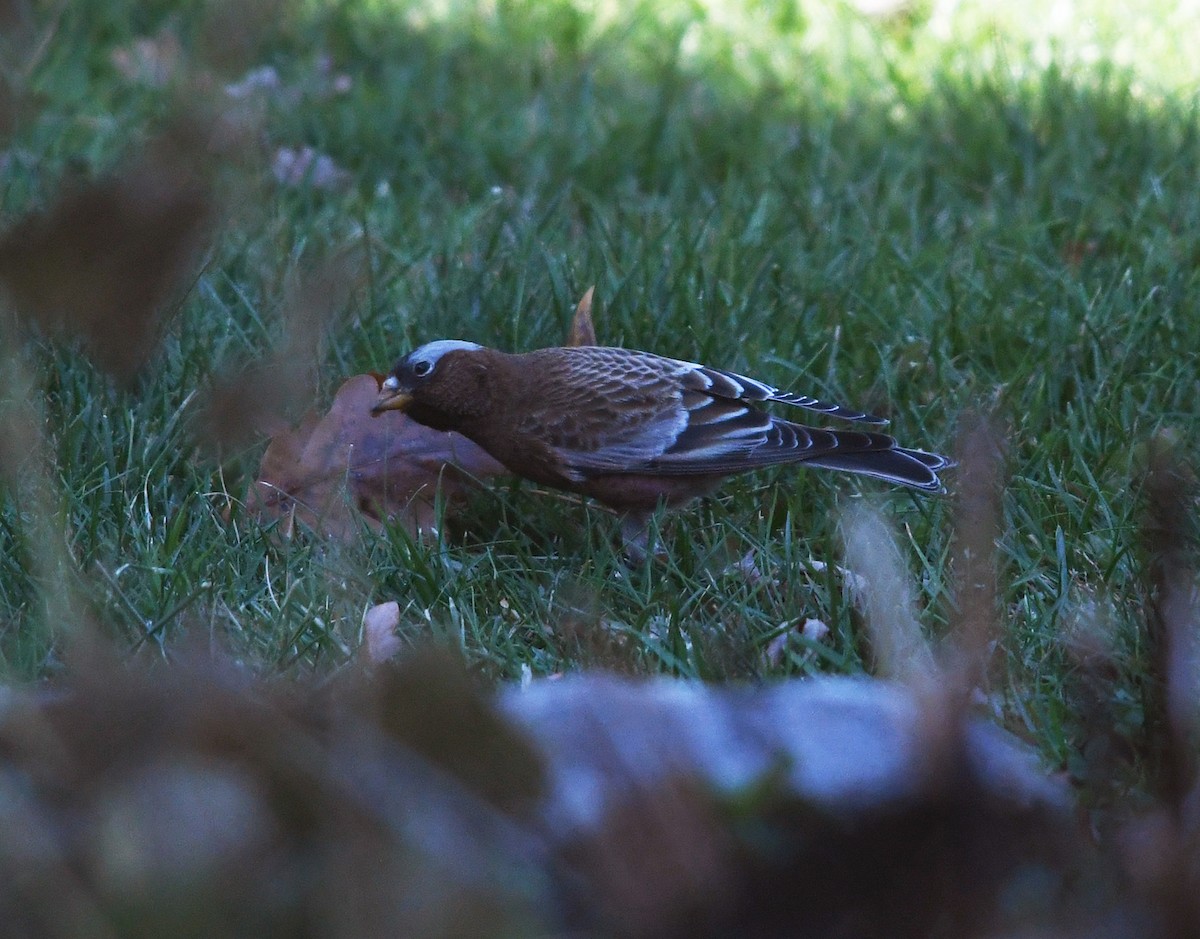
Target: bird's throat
{"x": 433, "y": 417}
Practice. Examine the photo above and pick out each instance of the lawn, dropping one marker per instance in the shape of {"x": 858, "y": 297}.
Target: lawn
{"x": 928, "y": 213}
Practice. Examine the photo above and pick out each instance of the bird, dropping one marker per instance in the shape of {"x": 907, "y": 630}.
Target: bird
{"x": 633, "y": 430}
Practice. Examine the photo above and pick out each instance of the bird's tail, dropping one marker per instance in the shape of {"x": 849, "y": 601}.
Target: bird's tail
{"x": 914, "y": 468}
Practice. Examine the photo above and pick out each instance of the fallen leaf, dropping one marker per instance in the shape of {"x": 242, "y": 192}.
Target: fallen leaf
{"x": 327, "y": 470}
{"x": 380, "y": 641}
{"x": 747, "y": 567}
{"x": 264, "y": 84}
{"x": 583, "y": 330}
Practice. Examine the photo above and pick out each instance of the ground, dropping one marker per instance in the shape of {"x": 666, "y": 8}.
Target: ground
{"x": 929, "y": 212}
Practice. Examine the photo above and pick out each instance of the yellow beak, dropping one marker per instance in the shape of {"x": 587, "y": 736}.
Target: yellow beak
{"x": 391, "y": 399}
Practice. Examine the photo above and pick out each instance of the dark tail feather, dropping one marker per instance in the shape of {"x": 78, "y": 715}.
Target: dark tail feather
{"x": 932, "y": 460}
{"x": 907, "y": 467}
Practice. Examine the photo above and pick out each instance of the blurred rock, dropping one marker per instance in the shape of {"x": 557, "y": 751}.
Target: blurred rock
{"x": 845, "y": 744}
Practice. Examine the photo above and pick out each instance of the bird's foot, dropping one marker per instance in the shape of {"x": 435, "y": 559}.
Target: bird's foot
{"x": 635, "y": 540}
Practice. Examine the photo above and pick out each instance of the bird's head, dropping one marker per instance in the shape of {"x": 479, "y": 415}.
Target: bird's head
{"x": 418, "y": 370}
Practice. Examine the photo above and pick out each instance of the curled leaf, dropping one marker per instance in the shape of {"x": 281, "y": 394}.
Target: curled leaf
{"x": 330, "y": 468}
{"x": 583, "y": 330}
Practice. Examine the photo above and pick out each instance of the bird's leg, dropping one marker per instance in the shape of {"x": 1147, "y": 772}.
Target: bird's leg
{"x": 635, "y": 537}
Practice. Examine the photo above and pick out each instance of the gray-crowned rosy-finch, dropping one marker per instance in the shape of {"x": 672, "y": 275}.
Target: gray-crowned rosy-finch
{"x": 631, "y": 429}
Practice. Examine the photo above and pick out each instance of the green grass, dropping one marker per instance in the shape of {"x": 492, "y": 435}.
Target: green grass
{"x": 919, "y": 214}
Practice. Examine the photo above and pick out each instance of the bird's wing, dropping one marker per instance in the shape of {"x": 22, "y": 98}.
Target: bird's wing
{"x": 618, "y": 411}
{"x": 603, "y": 410}
{"x": 725, "y": 437}
{"x": 723, "y": 384}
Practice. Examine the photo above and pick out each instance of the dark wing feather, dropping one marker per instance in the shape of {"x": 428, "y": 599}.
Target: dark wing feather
{"x": 609, "y": 410}
{"x": 914, "y": 468}
{"x": 723, "y": 384}
{"x": 754, "y": 439}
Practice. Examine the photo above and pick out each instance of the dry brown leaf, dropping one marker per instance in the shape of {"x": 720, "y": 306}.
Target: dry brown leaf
{"x": 583, "y": 330}
{"x": 386, "y": 467}
{"x": 102, "y": 262}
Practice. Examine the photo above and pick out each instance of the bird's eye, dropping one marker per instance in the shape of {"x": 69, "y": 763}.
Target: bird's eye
{"x": 422, "y": 368}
